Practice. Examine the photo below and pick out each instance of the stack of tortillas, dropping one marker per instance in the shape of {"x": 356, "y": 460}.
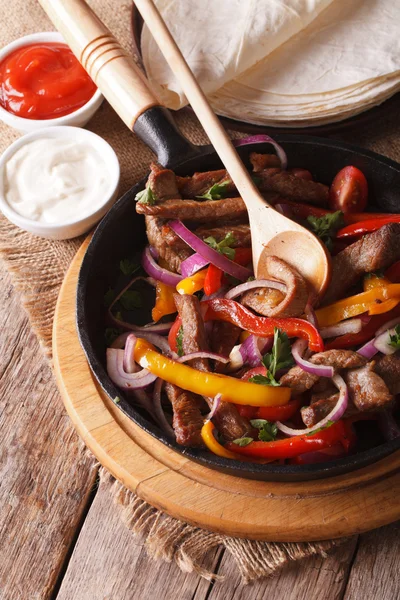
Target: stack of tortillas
{"x": 293, "y": 63}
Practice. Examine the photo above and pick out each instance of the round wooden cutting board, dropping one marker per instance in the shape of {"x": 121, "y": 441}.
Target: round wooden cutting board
{"x": 273, "y": 511}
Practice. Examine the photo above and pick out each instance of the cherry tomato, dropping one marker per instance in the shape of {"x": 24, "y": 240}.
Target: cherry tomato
{"x": 349, "y": 191}
{"x": 301, "y": 173}
{"x": 173, "y": 332}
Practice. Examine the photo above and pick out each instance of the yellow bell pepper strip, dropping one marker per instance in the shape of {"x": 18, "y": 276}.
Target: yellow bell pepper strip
{"x": 357, "y": 305}
{"x": 217, "y": 448}
{"x": 211, "y": 443}
{"x": 208, "y": 384}
{"x": 372, "y": 281}
{"x": 192, "y": 284}
{"x": 165, "y": 304}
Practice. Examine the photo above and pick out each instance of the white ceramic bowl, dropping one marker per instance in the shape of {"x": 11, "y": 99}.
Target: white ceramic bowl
{"x": 79, "y": 226}
{"x": 78, "y": 118}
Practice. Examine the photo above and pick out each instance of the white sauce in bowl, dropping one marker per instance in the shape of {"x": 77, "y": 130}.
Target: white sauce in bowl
{"x": 56, "y": 180}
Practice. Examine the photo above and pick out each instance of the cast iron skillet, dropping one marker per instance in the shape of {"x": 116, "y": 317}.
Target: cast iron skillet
{"x": 121, "y": 233}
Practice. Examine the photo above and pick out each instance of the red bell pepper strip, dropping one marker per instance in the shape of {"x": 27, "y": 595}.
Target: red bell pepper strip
{"x": 213, "y": 280}
{"x": 393, "y": 273}
{"x": 270, "y": 413}
{"x": 363, "y": 227}
{"x": 302, "y": 211}
{"x": 222, "y": 309}
{"x": 243, "y": 256}
{"x": 367, "y": 332}
{"x": 173, "y": 332}
{"x": 293, "y": 446}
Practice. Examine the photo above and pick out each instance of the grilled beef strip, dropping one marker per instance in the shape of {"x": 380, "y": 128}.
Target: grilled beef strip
{"x": 388, "y": 367}
{"x": 195, "y": 210}
{"x": 162, "y": 183}
{"x": 187, "y": 418}
{"x": 171, "y": 256}
{"x": 227, "y": 419}
{"x": 272, "y": 303}
{"x": 318, "y": 410}
{"x": 367, "y": 390}
{"x": 223, "y": 337}
{"x": 261, "y": 162}
{"x": 240, "y": 232}
{"x": 289, "y": 185}
{"x": 300, "y": 381}
{"x": 374, "y": 251}
{"x": 199, "y": 183}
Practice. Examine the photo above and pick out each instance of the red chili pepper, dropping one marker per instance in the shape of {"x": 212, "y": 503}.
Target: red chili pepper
{"x": 393, "y": 273}
{"x": 293, "y": 446}
{"x": 173, "y": 332}
{"x": 243, "y": 256}
{"x": 363, "y": 227}
{"x": 222, "y": 309}
{"x": 212, "y": 282}
{"x": 367, "y": 332}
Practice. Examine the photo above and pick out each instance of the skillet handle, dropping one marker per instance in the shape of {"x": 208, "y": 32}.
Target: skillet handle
{"x": 119, "y": 78}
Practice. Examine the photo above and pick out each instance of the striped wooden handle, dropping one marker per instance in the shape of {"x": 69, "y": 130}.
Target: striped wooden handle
{"x": 108, "y": 64}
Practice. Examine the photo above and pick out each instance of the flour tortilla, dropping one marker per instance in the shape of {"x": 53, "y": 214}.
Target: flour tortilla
{"x": 345, "y": 61}
{"x": 221, "y": 39}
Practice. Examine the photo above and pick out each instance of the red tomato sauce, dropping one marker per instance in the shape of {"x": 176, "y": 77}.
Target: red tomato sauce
{"x": 43, "y": 81}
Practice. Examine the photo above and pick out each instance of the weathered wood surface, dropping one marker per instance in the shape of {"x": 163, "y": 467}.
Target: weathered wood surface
{"x": 45, "y": 473}
{"x": 45, "y": 479}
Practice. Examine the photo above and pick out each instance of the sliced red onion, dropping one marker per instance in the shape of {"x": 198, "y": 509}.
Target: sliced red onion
{"x": 159, "y": 274}
{"x": 336, "y": 413}
{"x": 310, "y": 314}
{"x": 262, "y": 139}
{"x": 154, "y": 252}
{"x": 119, "y": 342}
{"x": 387, "y": 326}
{"x": 343, "y": 328}
{"x": 210, "y": 355}
{"x": 298, "y": 349}
{"x": 215, "y": 406}
{"x": 129, "y": 363}
{"x": 158, "y": 413}
{"x": 284, "y": 209}
{"x": 192, "y": 264}
{"x": 122, "y": 379}
{"x": 209, "y": 254}
{"x": 368, "y": 350}
{"x": 236, "y": 358}
{"x": 257, "y": 283}
{"x": 382, "y": 342}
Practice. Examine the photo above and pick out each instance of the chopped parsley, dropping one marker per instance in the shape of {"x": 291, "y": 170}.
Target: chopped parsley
{"x": 325, "y": 227}
{"x": 109, "y": 297}
{"x": 146, "y": 196}
{"x": 329, "y": 423}
{"x": 224, "y": 246}
{"x": 179, "y": 341}
{"x": 216, "y": 191}
{"x": 280, "y": 357}
{"x": 395, "y": 338}
{"x": 267, "y": 431}
{"x": 256, "y": 180}
{"x": 128, "y": 267}
{"x": 267, "y": 379}
{"x": 111, "y": 334}
{"x": 243, "y": 441}
{"x": 131, "y": 299}
{"x": 375, "y": 274}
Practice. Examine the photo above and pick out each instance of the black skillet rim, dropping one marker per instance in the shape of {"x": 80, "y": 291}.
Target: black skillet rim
{"x": 247, "y": 470}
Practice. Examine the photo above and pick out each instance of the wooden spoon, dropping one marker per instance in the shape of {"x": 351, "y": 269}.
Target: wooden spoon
{"x": 271, "y": 232}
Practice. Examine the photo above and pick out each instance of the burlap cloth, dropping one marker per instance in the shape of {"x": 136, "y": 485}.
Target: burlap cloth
{"x": 39, "y": 265}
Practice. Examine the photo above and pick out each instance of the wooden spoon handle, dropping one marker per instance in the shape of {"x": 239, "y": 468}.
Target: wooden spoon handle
{"x": 109, "y": 65}
{"x": 210, "y": 122}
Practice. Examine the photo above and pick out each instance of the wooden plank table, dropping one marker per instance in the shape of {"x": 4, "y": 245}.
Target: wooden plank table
{"x": 61, "y": 536}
